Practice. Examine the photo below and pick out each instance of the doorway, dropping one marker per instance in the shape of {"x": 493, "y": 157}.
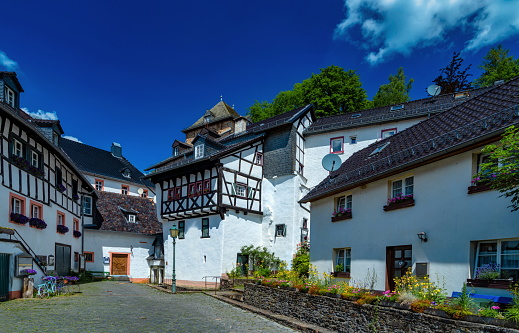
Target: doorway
{"x": 119, "y": 264}
{"x": 62, "y": 260}
{"x": 242, "y": 261}
{"x": 398, "y": 260}
{"x": 5, "y": 258}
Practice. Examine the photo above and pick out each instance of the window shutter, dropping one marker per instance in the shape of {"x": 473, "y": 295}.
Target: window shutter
{"x": 233, "y": 188}
{"x": 251, "y": 192}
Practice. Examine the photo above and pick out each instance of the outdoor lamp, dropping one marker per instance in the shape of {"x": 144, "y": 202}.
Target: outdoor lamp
{"x": 422, "y": 236}
{"x": 174, "y": 234}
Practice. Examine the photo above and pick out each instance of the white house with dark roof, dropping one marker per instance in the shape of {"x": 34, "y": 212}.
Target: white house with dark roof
{"x": 125, "y": 238}
{"x": 41, "y": 191}
{"x": 233, "y": 188}
{"x": 347, "y": 133}
{"x": 436, "y": 221}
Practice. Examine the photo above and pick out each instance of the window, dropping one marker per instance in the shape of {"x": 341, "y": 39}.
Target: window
{"x": 175, "y": 151}
{"x": 241, "y": 190}
{"x": 337, "y": 145}
{"x": 87, "y": 205}
{"x": 353, "y": 139}
{"x": 191, "y": 190}
{"x": 76, "y": 225}
{"x": 35, "y": 159}
{"x": 342, "y": 260}
{"x": 89, "y": 256}
{"x": 18, "y": 148}
{"x": 304, "y": 231}
{"x": 258, "y": 158}
{"x": 144, "y": 193}
{"x": 281, "y": 230}
{"x": 125, "y": 189}
{"x": 127, "y": 173}
{"x": 61, "y": 218}
{"x": 16, "y": 206}
{"x": 205, "y": 228}
{"x": 59, "y": 177}
{"x": 74, "y": 189}
{"x": 379, "y": 149}
{"x": 9, "y": 96}
{"x": 199, "y": 151}
{"x": 387, "y": 133}
{"x": 504, "y": 253}
{"x": 174, "y": 193}
{"x": 36, "y": 210}
{"x": 55, "y": 138}
{"x": 181, "y": 229}
{"x": 198, "y": 188}
{"x": 402, "y": 187}
{"x": 461, "y": 95}
{"x": 301, "y": 168}
{"x": 100, "y": 185}
{"x": 344, "y": 202}
{"x": 397, "y": 107}
{"x": 207, "y": 186}
{"x": 132, "y": 218}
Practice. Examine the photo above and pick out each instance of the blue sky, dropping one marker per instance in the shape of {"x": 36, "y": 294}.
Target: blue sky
{"x": 137, "y": 72}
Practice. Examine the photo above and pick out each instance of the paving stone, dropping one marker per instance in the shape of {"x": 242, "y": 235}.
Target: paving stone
{"x": 109, "y": 306}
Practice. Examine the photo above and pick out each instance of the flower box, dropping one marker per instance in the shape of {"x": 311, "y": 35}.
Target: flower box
{"x": 481, "y": 187}
{"x": 342, "y": 216}
{"x": 400, "y": 204}
{"x": 496, "y": 283}
{"x": 23, "y": 164}
{"x": 19, "y": 218}
{"x": 62, "y": 229}
{"x": 37, "y": 223}
{"x": 61, "y": 188}
{"x": 76, "y": 233}
{"x": 344, "y": 275}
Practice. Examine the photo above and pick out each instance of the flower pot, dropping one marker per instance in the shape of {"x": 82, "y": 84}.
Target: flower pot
{"x": 341, "y": 217}
{"x": 496, "y": 283}
{"x": 401, "y": 204}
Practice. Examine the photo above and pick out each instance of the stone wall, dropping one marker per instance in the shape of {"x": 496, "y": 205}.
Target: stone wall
{"x": 345, "y": 316}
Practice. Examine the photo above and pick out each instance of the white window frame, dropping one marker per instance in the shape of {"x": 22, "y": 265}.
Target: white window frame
{"x": 402, "y": 187}
{"x": 175, "y": 151}
{"x": 132, "y": 218}
{"x": 281, "y": 230}
{"x": 18, "y": 148}
{"x": 61, "y": 219}
{"x": 344, "y": 201}
{"x": 386, "y": 133}
{"x": 35, "y": 159}
{"x": 258, "y": 158}
{"x": 87, "y": 205}
{"x": 498, "y": 255}
{"x": 125, "y": 190}
{"x": 10, "y": 96}
{"x": 241, "y": 190}
{"x": 342, "y": 256}
{"x": 199, "y": 151}
{"x": 333, "y": 142}
{"x": 16, "y": 205}
{"x": 35, "y": 211}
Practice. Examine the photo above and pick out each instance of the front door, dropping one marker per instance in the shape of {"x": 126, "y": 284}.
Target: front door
{"x": 4, "y": 276}
{"x": 243, "y": 261}
{"x": 119, "y": 264}
{"x": 62, "y": 260}
{"x": 398, "y": 260}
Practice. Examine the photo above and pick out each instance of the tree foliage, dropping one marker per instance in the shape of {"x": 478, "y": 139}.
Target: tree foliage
{"x": 333, "y": 91}
{"x": 301, "y": 261}
{"x": 395, "y": 92}
{"x": 260, "y": 258}
{"x": 497, "y": 65}
{"x": 452, "y": 78}
{"x": 501, "y": 171}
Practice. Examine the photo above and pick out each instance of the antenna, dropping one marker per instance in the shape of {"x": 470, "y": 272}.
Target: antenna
{"x": 331, "y": 162}
{"x": 434, "y": 90}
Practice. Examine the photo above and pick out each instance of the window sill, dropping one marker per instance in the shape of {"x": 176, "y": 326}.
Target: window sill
{"x": 402, "y": 204}
{"x": 344, "y": 275}
{"x": 343, "y": 217}
{"x": 495, "y": 284}
{"x": 479, "y": 188}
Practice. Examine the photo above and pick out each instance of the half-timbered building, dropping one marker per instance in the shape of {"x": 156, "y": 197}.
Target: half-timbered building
{"x": 42, "y": 190}
{"x": 235, "y": 188}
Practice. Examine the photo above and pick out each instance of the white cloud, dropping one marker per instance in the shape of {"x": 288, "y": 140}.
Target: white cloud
{"x": 9, "y": 64}
{"x": 71, "y": 138}
{"x": 40, "y": 114}
{"x": 389, "y": 27}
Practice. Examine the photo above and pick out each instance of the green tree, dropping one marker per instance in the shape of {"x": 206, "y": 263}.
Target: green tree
{"x": 497, "y": 65}
{"x": 260, "y": 258}
{"x": 301, "y": 261}
{"x": 395, "y": 92}
{"x": 452, "y": 78}
{"x": 333, "y": 91}
{"x": 501, "y": 170}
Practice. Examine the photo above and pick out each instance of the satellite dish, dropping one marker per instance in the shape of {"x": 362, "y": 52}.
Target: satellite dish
{"x": 331, "y": 162}
{"x": 140, "y": 191}
{"x": 434, "y": 90}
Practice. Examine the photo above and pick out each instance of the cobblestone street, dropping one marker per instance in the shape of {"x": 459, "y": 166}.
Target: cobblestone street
{"x": 125, "y": 307}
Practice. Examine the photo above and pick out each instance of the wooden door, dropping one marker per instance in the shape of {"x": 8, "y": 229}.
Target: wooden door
{"x": 119, "y": 264}
{"x": 398, "y": 260}
{"x": 62, "y": 259}
{"x": 5, "y": 258}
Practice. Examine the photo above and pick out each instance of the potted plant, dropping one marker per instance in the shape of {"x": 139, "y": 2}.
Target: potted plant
{"x": 76, "y": 233}
{"x": 62, "y": 229}
{"x": 75, "y": 197}
{"x": 399, "y": 201}
{"x": 37, "y": 223}
{"x": 488, "y": 276}
{"x": 28, "y": 272}
{"x": 480, "y": 184}
{"x": 19, "y": 218}
{"x": 61, "y": 188}
{"x": 341, "y": 214}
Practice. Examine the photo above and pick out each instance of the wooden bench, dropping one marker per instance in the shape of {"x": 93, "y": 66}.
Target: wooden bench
{"x": 98, "y": 275}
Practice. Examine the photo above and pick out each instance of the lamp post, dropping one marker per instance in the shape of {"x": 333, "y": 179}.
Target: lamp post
{"x": 174, "y": 234}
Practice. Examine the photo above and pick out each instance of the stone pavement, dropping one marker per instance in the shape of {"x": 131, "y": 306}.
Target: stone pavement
{"x": 110, "y": 306}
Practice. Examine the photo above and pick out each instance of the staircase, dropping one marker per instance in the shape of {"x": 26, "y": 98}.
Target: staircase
{"x": 18, "y": 238}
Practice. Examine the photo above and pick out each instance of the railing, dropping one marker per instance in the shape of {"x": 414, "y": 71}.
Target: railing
{"x": 29, "y": 250}
{"x": 457, "y": 135}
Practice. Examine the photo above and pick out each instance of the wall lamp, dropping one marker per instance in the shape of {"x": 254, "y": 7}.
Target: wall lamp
{"x": 422, "y": 236}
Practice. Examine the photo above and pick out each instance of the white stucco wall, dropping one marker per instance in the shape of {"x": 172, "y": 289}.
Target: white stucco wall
{"x": 318, "y": 145}
{"x": 103, "y": 243}
{"x": 114, "y": 186}
{"x": 451, "y": 218}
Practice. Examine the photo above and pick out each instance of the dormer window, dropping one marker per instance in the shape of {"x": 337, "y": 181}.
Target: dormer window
{"x": 127, "y": 173}
{"x": 175, "y": 151}
{"x": 397, "y": 107}
{"x": 55, "y": 138}
{"x": 199, "y": 151}
{"x": 132, "y": 218}
{"x": 9, "y": 96}
{"x": 17, "y": 148}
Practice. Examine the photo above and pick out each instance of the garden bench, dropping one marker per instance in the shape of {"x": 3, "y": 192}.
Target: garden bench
{"x": 495, "y": 299}
{"x": 98, "y": 275}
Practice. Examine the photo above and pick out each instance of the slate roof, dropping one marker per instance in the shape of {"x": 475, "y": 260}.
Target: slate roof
{"x": 112, "y": 205}
{"x": 412, "y": 109}
{"x": 229, "y": 143}
{"x": 483, "y": 117}
{"x": 220, "y": 111}
{"x": 102, "y": 162}
{"x": 13, "y": 76}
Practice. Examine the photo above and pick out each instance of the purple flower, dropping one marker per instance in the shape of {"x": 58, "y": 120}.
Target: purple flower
{"x": 62, "y": 229}
{"x": 495, "y": 307}
{"x": 28, "y": 271}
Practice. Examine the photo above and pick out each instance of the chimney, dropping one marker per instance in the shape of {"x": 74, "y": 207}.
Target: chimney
{"x": 117, "y": 150}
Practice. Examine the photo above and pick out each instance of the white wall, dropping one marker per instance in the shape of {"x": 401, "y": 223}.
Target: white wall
{"x": 451, "y": 218}
{"x": 114, "y": 186}
{"x": 318, "y": 145}
{"x": 102, "y": 243}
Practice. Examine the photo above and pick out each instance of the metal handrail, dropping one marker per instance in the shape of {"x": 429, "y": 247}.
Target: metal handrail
{"x": 29, "y": 250}
{"x": 216, "y": 283}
